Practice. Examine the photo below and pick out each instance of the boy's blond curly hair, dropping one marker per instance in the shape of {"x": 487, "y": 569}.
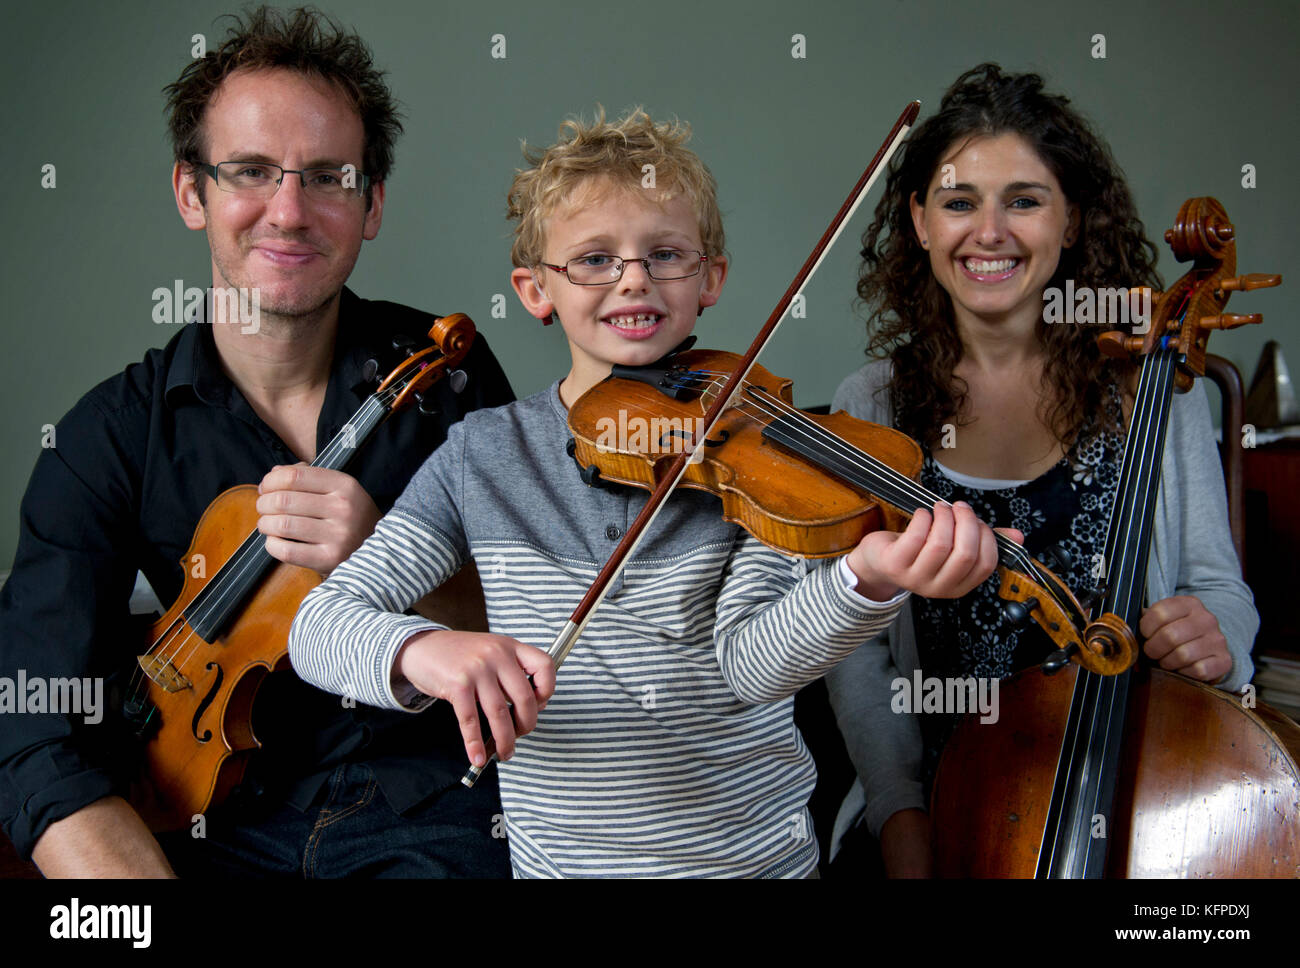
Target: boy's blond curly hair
{"x": 619, "y": 151}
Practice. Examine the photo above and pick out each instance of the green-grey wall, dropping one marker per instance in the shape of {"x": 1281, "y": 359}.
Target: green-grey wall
{"x": 1187, "y": 94}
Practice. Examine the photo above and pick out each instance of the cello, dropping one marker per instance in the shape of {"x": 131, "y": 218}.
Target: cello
{"x": 191, "y": 695}
{"x": 1146, "y": 773}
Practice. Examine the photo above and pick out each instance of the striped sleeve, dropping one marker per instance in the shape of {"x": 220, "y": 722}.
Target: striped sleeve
{"x": 769, "y": 650}
{"x": 349, "y": 629}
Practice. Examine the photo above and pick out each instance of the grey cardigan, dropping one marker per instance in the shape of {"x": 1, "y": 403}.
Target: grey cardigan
{"x": 1191, "y": 554}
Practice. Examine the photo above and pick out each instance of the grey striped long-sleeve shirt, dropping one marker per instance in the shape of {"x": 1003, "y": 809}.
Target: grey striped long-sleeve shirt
{"x": 669, "y": 747}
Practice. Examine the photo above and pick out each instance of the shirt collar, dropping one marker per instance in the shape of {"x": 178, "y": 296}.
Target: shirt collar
{"x": 196, "y": 369}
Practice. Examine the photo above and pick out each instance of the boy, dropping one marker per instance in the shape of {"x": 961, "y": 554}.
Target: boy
{"x": 669, "y": 747}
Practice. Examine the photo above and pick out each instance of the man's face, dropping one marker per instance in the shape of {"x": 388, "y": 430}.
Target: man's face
{"x": 297, "y": 249}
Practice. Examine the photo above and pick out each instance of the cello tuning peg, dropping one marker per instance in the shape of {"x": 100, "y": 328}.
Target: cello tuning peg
{"x": 457, "y": 379}
{"x": 1018, "y": 613}
{"x": 1253, "y": 280}
{"x": 1230, "y": 320}
{"x": 1056, "y": 558}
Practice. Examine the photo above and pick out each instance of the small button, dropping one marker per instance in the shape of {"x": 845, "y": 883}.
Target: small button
{"x": 613, "y": 533}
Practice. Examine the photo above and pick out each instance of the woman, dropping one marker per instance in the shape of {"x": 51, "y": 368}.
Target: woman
{"x": 995, "y": 202}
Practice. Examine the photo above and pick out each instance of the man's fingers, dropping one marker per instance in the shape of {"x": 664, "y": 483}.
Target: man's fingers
{"x": 302, "y": 477}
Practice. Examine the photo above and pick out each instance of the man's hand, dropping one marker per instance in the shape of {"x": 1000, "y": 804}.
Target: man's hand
{"x": 905, "y": 847}
{"x": 314, "y": 517}
{"x": 1184, "y": 636}
{"x": 473, "y": 669}
{"x": 942, "y": 554}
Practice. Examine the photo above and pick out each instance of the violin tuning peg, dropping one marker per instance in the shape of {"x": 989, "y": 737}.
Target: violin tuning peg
{"x": 425, "y": 405}
{"x": 1018, "y": 613}
{"x": 404, "y": 344}
{"x": 1056, "y": 558}
{"x": 1091, "y": 599}
{"x": 1253, "y": 280}
{"x": 370, "y": 371}
{"x": 1058, "y": 660}
{"x": 457, "y": 379}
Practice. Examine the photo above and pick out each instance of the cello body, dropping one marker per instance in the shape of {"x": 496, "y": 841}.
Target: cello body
{"x": 1207, "y": 787}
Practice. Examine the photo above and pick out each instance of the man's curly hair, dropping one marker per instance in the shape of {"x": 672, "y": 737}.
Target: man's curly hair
{"x": 302, "y": 40}
{"x": 910, "y": 316}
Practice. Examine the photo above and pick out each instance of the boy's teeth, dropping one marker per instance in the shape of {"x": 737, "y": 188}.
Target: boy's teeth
{"x": 983, "y": 266}
{"x": 640, "y": 319}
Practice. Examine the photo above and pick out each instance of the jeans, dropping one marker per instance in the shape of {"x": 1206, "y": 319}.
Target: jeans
{"x": 353, "y": 832}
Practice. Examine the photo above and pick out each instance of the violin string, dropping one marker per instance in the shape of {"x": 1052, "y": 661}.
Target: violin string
{"x": 227, "y": 582}
{"x": 883, "y": 473}
{"x": 891, "y": 483}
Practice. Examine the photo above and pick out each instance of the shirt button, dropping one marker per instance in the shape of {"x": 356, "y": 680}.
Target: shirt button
{"x": 613, "y": 533}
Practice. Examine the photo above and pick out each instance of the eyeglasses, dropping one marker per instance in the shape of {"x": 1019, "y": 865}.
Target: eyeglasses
{"x": 256, "y": 178}
{"x": 662, "y": 265}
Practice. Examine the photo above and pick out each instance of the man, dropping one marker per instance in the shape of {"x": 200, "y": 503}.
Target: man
{"x": 283, "y": 140}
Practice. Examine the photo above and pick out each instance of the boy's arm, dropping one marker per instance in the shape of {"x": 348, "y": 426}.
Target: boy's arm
{"x": 768, "y": 650}
{"x": 780, "y": 626}
{"x": 349, "y": 634}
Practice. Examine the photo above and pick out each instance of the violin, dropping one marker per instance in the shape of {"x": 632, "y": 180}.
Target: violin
{"x": 191, "y": 695}
{"x": 1146, "y": 773}
{"x": 718, "y": 398}
{"x": 803, "y": 484}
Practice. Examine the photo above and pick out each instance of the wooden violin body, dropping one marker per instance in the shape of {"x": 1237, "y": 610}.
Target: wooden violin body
{"x": 192, "y": 694}
{"x": 199, "y": 760}
{"x": 1207, "y": 788}
{"x": 780, "y": 498}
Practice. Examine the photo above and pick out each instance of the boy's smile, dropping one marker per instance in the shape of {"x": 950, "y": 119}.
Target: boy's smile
{"x": 637, "y": 319}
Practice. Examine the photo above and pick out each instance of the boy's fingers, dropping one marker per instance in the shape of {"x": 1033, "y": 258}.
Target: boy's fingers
{"x": 540, "y": 666}
{"x": 462, "y": 700}
{"x": 499, "y": 719}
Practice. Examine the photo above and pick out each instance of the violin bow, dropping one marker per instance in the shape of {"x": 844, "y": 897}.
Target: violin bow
{"x": 572, "y": 629}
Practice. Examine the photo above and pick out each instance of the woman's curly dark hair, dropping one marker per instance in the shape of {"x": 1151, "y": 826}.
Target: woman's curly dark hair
{"x": 910, "y": 317}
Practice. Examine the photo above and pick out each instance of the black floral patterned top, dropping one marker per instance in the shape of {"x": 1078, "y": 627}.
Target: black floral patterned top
{"x": 1069, "y": 505}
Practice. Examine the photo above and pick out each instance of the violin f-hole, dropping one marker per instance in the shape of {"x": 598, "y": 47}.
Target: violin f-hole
{"x": 206, "y": 702}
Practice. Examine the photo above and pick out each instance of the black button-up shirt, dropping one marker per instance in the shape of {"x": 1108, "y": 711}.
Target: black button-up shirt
{"x": 133, "y": 467}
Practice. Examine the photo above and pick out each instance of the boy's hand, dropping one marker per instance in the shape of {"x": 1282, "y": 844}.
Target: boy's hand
{"x": 473, "y": 669}
{"x": 1184, "y": 636}
{"x": 314, "y": 517}
{"x": 942, "y": 554}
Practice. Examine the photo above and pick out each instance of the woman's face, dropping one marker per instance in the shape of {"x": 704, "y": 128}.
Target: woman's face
{"x": 994, "y": 220}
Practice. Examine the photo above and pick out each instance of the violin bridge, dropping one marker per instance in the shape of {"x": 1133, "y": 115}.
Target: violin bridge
{"x": 163, "y": 672}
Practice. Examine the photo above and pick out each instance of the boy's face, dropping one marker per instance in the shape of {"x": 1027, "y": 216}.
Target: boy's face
{"x": 635, "y": 320}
